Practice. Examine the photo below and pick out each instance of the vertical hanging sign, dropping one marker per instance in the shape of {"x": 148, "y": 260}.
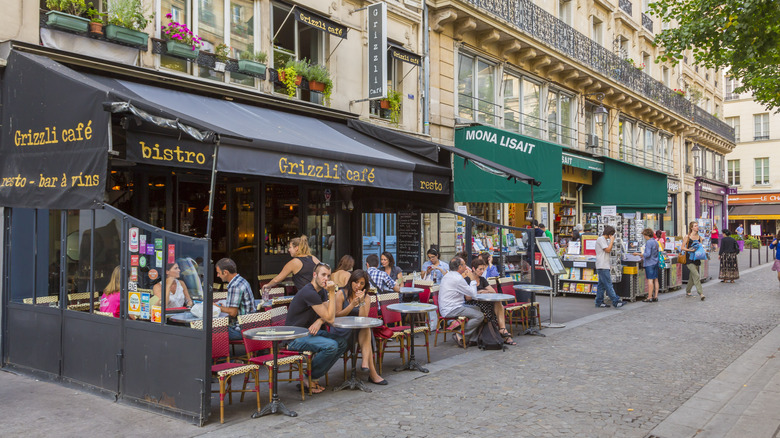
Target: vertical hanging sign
{"x": 377, "y": 50}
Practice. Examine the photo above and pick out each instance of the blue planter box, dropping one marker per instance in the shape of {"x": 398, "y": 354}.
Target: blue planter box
{"x": 181, "y": 50}
{"x": 65, "y": 21}
{"x": 127, "y": 36}
{"x": 253, "y": 67}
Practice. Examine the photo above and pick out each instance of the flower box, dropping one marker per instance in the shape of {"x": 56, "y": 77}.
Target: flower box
{"x": 127, "y": 36}
{"x": 282, "y": 75}
{"x": 384, "y": 104}
{"x": 247, "y": 66}
{"x": 181, "y": 50}
{"x": 316, "y": 86}
{"x": 65, "y": 21}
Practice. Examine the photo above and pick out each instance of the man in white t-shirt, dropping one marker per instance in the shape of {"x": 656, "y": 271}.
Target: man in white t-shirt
{"x": 603, "y": 249}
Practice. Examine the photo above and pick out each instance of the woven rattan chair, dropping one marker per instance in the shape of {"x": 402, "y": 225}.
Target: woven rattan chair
{"x": 393, "y": 321}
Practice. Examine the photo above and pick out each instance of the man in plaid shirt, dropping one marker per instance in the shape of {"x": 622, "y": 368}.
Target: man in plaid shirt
{"x": 240, "y": 300}
{"x": 379, "y": 278}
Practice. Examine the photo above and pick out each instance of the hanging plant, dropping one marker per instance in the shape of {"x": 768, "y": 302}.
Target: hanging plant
{"x": 289, "y": 79}
{"x": 394, "y": 99}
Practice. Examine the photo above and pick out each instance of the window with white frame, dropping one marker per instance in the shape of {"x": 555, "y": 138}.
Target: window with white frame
{"x": 561, "y": 116}
{"x": 647, "y": 63}
{"x": 762, "y": 171}
{"x": 626, "y": 140}
{"x": 564, "y": 11}
{"x": 761, "y": 126}
{"x": 522, "y": 105}
{"x": 733, "y": 172}
{"x": 731, "y": 84}
{"x": 295, "y": 41}
{"x": 719, "y": 170}
{"x": 597, "y": 31}
{"x": 665, "y": 152}
{"x": 394, "y": 77}
{"x": 650, "y": 161}
{"x": 476, "y": 89}
{"x": 734, "y": 123}
{"x": 665, "y": 75}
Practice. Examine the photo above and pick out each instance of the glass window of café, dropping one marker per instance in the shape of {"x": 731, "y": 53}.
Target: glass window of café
{"x": 626, "y": 140}
{"x": 476, "y": 89}
{"x": 395, "y": 77}
{"x": 522, "y": 105}
{"x": 561, "y": 118}
{"x": 295, "y": 41}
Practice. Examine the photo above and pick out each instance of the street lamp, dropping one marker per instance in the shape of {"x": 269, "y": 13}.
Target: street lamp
{"x": 600, "y": 114}
{"x": 696, "y": 151}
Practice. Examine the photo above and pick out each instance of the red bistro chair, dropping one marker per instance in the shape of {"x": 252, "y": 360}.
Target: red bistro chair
{"x": 392, "y": 321}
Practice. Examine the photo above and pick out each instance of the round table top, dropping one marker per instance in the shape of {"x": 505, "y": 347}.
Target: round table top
{"x": 189, "y": 317}
{"x": 411, "y": 307}
{"x": 532, "y": 287}
{"x": 356, "y": 322}
{"x": 411, "y": 290}
{"x": 276, "y": 333}
{"x": 286, "y": 283}
{"x": 270, "y": 302}
{"x": 494, "y": 297}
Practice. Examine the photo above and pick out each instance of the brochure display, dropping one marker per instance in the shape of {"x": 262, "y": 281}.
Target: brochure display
{"x": 553, "y": 266}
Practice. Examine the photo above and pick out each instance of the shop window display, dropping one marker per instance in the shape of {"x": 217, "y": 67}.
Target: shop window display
{"x": 282, "y": 217}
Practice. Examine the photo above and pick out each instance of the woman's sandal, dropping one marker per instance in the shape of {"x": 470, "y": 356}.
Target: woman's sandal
{"x": 509, "y": 341}
{"x": 316, "y": 388}
{"x": 504, "y": 333}
{"x": 458, "y": 341}
{"x": 648, "y": 300}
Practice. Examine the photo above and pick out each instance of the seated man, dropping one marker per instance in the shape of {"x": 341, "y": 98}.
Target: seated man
{"x": 239, "y": 296}
{"x": 453, "y": 292}
{"x": 310, "y": 308}
{"x": 379, "y": 278}
{"x": 494, "y": 312}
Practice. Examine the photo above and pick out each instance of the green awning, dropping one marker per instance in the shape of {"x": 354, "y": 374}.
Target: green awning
{"x": 536, "y": 158}
{"x": 630, "y": 188}
{"x": 582, "y": 162}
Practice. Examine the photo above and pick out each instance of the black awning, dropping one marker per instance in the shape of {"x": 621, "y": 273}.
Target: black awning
{"x": 254, "y": 140}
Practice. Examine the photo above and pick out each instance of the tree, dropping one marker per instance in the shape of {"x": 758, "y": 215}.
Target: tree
{"x": 742, "y": 36}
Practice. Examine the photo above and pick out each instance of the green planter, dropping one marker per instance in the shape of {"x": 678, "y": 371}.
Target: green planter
{"x": 125, "y": 35}
{"x": 253, "y": 67}
{"x": 65, "y": 21}
{"x": 181, "y": 50}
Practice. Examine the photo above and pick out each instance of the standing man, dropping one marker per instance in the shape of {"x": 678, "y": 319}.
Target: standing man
{"x": 741, "y": 231}
{"x": 379, "y": 278}
{"x": 603, "y": 264}
{"x": 546, "y": 232}
{"x": 312, "y": 306}
{"x": 239, "y": 296}
{"x": 453, "y": 293}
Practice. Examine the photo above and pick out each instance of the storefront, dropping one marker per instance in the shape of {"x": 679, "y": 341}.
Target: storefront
{"x": 669, "y": 222}
{"x": 710, "y": 200}
{"x": 753, "y": 210}
{"x": 627, "y": 187}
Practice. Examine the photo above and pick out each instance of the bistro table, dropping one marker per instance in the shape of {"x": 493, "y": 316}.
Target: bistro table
{"x": 355, "y": 323}
{"x": 411, "y": 292}
{"x": 187, "y": 317}
{"x": 536, "y": 288}
{"x": 493, "y": 297}
{"x": 275, "y": 335}
{"x": 411, "y": 309}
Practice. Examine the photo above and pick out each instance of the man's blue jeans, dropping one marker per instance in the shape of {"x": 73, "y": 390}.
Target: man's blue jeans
{"x": 605, "y": 283}
{"x": 327, "y": 349}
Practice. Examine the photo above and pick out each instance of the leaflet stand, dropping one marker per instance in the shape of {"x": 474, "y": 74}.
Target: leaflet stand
{"x": 552, "y": 265}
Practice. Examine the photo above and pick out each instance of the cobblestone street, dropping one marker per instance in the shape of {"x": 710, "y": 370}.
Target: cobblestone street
{"x": 613, "y": 373}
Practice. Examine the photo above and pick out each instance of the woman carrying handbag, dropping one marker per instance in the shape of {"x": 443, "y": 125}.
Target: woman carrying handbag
{"x": 690, "y": 243}
{"x": 729, "y": 266}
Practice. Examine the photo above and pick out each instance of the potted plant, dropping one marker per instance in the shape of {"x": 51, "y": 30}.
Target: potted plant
{"x": 740, "y": 241}
{"x": 679, "y": 92}
{"x": 221, "y": 52}
{"x": 181, "y": 41}
{"x": 317, "y": 75}
{"x": 292, "y": 74}
{"x": 95, "y": 20}
{"x": 126, "y": 22}
{"x": 252, "y": 62}
{"x": 393, "y": 104}
{"x": 64, "y": 14}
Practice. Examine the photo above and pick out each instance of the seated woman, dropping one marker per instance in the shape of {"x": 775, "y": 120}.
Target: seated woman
{"x": 343, "y": 271}
{"x": 434, "y": 269}
{"x": 490, "y": 270}
{"x": 388, "y": 265}
{"x": 109, "y": 302}
{"x": 301, "y": 266}
{"x": 353, "y": 301}
{"x": 176, "y": 293}
{"x": 493, "y": 311}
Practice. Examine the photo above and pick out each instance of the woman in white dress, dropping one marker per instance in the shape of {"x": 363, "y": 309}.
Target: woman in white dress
{"x": 176, "y": 294}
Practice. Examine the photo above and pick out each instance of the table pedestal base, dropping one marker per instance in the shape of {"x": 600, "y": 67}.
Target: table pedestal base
{"x": 553, "y": 325}
{"x": 276, "y": 407}
{"x": 533, "y": 331}
{"x": 412, "y": 365}
{"x": 353, "y": 383}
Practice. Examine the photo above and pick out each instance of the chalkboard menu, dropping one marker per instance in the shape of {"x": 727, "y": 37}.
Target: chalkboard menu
{"x": 408, "y": 241}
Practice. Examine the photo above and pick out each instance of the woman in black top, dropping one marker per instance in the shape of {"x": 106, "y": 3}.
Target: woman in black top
{"x": 493, "y": 311}
{"x": 388, "y": 265}
{"x": 301, "y": 266}
{"x": 729, "y": 266}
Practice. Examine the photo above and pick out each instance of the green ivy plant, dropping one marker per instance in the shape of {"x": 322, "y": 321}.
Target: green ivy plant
{"x": 290, "y": 76}
{"x": 394, "y": 98}
{"x": 94, "y": 15}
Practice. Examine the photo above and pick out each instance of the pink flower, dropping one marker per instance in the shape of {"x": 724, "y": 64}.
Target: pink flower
{"x": 169, "y": 15}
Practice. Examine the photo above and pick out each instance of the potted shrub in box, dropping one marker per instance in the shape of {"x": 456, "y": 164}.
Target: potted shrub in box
{"x": 319, "y": 80}
{"x": 221, "y": 53}
{"x": 64, "y": 14}
{"x": 393, "y": 103}
{"x": 181, "y": 41}
{"x": 292, "y": 74}
{"x": 126, "y": 22}
{"x": 95, "y": 20}
{"x": 252, "y": 62}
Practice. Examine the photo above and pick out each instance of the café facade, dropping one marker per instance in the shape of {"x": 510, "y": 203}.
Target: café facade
{"x": 106, "y": 166}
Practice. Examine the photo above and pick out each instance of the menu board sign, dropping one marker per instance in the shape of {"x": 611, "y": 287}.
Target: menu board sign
{"x": 408, "y": 241}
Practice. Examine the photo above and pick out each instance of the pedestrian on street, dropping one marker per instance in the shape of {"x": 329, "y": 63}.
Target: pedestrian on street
{"x": 729, "y": 266}
{"x": 694, "y": 278}
{"x": 603, "y": 265}
{"x": 650, "y": 262}
{"x": 774, "y": 245}
{"x": 546, "y": 232}
{"x": 715, "y": 237}
{"x": 740, "y": 230}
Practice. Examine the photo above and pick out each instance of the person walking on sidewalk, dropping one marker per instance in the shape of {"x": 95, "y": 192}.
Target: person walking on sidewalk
{"x": 715, "y": 237}
{"x": 729, "y": 266}
{"x": 688, "y": 245}
{"x": 603, "y": 265}
{"x": 774, "y": 245}
{"x": 650, "y": 262}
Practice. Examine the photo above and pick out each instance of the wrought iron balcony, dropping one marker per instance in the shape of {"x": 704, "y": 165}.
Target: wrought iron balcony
{"x": 534, "y": 21}
{"x": 626, "y": 6}
{"x": 647, "y": 22}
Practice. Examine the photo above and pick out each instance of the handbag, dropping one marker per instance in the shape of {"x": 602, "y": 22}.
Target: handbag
{"x": 683, "y": 257}
{"x": 661, "y": 260}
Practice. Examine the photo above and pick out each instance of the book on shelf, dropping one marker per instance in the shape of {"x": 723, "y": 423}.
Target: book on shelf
{"x": 575, "y": 274}
{"x": 565, "y": 287}
{"x": 567, "y": 275}
{"x": 595, "y": 277}
{"x": 586, "y": 289}
{"x": 587, "y": 274}
{"x": 580, "y": 287}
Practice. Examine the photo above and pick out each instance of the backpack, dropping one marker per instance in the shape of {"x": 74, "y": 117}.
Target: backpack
{"x": 488, "y": 337}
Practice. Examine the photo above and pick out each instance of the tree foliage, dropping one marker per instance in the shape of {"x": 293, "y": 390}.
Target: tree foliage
{"x": 742, "y": 36}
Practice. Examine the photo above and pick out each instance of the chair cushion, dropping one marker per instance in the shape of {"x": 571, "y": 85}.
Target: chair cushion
{"x": 241, "y": 369}
{"x": 268, "y": 360}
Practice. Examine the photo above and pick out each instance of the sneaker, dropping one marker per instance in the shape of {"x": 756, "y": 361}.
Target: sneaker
{"x": 620, "y": 304}
{"x": 602, "y": 305}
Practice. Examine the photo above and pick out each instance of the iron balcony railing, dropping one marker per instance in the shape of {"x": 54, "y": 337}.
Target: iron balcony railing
{"x": 541, "y": 25}
{"x": 647, "y": 22}
{"x": 626, "y": 6}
